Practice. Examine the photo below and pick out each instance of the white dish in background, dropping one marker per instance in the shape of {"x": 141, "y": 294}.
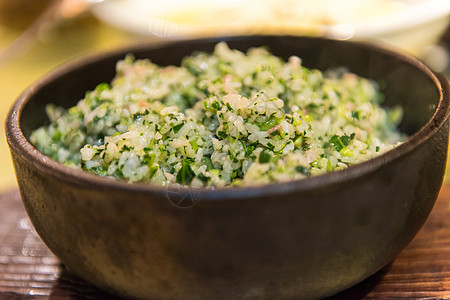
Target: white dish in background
{"x": 411, "y": 25}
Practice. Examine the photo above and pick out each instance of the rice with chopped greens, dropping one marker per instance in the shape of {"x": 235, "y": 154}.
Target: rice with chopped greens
{"x": 223, "y": 119}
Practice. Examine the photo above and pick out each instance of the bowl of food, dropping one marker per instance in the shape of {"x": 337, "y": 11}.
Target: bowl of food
{"x": 237, "y": 167}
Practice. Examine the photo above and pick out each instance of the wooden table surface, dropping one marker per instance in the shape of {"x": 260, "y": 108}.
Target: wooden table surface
{"x": 28, "y": 270}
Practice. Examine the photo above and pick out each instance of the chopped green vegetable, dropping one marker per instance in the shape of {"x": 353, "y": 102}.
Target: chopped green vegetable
{"x": 185, "y": 174}
{"x": 264, "y": 156}
{"x": 301, "y": 169}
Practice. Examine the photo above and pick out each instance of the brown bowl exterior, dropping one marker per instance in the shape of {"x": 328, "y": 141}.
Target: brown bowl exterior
{"x": 302, "y": 239}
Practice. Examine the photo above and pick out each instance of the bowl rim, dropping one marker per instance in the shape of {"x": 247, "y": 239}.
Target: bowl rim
{"x": 19, "y": 144}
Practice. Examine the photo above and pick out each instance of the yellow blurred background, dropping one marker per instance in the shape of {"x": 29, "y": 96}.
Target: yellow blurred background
{"x": 69, "y": 39}
{"x": 71, "y": 34}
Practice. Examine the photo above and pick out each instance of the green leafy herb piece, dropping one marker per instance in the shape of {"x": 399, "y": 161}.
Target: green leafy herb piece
{"x": 216, "y": 105}
{"x": 337, "y": 142}
{"x": 203, "y": 178}
{"x": 302, "y": 170}
{"x": 136, "y": 116}
{"x": 356, "y": 114}
{"x": 329, "y": 166}
{"x": 208, "y": 163}
{"x": 149, "y": 159}
{"x": 185, "y": 174}
{"x": 275, "y": 132}
{"x": 264, "y": 156}
{"x": 124, "y": 148}
{"x": 152, "y": 171}
{"x": 269, "y": 123}
{"x": 206, "y": 92}
{"x": 249, "y": 149}
{"x": 194, "y": 144}
{"x": 222, "y": 134}
{"x": 340, "y": 142}
{"x": 177, "y": 128}
{"x": 102, "y": 87}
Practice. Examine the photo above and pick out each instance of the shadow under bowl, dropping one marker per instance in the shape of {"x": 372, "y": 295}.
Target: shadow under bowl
{"x": 302, "y": 239}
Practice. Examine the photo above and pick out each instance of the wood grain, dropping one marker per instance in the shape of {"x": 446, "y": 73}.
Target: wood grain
{"x": 28, "y": 270}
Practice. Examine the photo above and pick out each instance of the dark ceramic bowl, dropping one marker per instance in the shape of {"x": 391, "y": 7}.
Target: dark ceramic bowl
{"x": 302, "y": 239}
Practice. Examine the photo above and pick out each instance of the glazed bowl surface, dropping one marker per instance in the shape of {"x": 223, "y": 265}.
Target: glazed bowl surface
{"x": 302, "y": 239}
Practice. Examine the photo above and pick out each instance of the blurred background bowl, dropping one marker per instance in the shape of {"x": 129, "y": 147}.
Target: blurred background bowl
{"x": 410, "y": 25}
{"x": 302, "y": 239}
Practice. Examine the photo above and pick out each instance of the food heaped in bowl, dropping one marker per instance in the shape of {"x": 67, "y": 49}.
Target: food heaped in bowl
{"x": 306, "y": 238}
{"x": 222, "y": 119}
